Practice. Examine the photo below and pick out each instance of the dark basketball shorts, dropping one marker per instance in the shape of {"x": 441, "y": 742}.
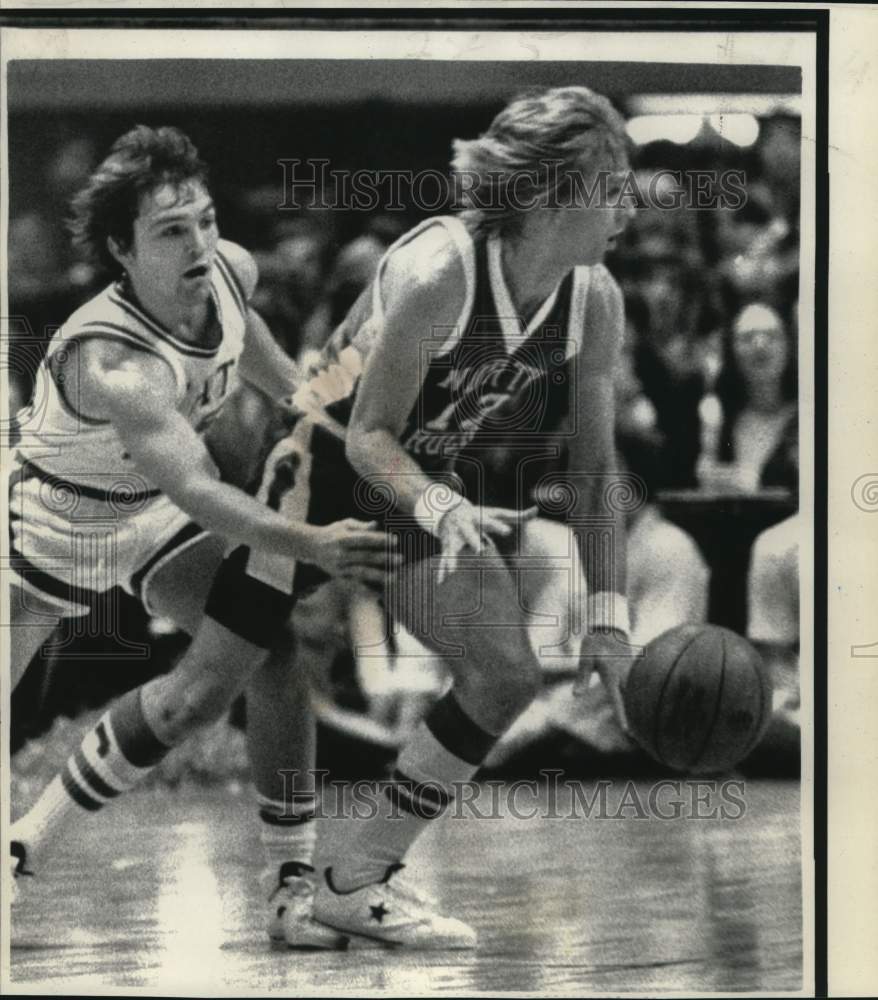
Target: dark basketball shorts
{"x": 308, "y": 479}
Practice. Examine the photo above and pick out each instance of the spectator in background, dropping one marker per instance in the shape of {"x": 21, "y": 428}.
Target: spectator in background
{"x": 749, "y": 422}
{"x": 759, "y": 249}
{"x": 36, "y": 259}
{"x": 69, "y": 169}
{"x": 353, "y": 270}
{"x": 773, "y": 628}
{"x": 291, "y": 271}
{"x": 671, "y": 310}
{"x": 41, "y": 296}
{"x": 635, "y": 412}
{"x": 668, "y": 577}
{"x": 670, "y": 379}
{"x": 779, "y": 151}
{"x": 773, "y": 608}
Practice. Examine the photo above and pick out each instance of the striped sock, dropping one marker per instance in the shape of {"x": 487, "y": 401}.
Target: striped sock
{"x": 287, "y": 833}
{"x": 445, "y": 748}
{"x": 112, "y": 758}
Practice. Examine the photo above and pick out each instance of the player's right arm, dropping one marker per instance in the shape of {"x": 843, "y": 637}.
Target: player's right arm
{"x": 423, "y": 300}
{"x": 136, "y": 392}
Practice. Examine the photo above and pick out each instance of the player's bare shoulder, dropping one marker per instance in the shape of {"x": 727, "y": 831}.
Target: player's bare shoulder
{"x": 109, "y": 376}
{"x": 604, "y": 318}
{"x": 605, "y": 296}
{"x": 242, "y": 265}
{"x": 425, "y": 276}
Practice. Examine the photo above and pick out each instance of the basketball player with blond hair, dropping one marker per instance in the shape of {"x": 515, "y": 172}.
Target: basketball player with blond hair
{"x": 496, "y": 326}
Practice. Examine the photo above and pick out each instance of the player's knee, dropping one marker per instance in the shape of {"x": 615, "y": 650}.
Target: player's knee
{"x": 511, "y": 682}
{"x": 203, "y": 702}
{"x": 213, "y": 699}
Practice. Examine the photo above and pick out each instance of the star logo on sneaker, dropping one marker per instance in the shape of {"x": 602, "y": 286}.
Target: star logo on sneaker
{"x": 412, "y": 918}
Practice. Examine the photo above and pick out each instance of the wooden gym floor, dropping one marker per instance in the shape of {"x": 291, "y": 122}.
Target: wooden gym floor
{"x": 159, "y": 893}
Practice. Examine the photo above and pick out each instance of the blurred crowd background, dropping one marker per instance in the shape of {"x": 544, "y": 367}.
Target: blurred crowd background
{"x": 706, "y": 385}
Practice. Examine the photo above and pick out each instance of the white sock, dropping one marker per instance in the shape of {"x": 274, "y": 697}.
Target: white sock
{"x": 94, "y": 775}
{"x": 44, "y": 820}
{"x": 446, "y": 748}
{"x": 287, "y": 833}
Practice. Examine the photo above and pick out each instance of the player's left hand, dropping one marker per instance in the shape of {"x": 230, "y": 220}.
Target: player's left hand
{"x": 467, "y": 526}
{"x": 612, "y": 656}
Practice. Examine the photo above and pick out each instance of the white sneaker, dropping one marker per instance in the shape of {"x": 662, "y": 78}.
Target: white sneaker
{"x": 389, "y": 913}
{"x": 18, "y": 867}
{"x": 289, "y": 911}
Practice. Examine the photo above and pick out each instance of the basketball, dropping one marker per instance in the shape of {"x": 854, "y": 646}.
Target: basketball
{"x": 699, "y": 699}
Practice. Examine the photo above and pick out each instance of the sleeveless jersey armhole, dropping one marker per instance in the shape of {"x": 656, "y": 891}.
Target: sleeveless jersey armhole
{"x": 578, "y": 303}
{"x": 464, "y": 244}
{"x": 231, "y": 278}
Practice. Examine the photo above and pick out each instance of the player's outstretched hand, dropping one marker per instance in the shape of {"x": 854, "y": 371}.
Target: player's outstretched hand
{"x": 469, "y": 527}
{"x": 609, "y": 655}
{"x": 356, "y": 550}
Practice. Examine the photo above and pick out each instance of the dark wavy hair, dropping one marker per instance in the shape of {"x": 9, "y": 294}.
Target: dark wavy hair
{"x": 140, "y": 161}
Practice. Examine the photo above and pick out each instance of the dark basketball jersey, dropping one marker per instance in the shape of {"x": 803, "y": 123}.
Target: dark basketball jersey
{"x": 492, "y": 383}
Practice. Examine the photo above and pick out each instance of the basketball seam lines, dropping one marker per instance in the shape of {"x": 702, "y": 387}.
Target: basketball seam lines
{"x": 717, "y": 706}
{"x": 665, "y": 682}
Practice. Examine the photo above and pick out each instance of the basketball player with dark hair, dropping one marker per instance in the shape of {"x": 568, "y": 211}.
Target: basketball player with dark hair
{"x": 113, "y": 484}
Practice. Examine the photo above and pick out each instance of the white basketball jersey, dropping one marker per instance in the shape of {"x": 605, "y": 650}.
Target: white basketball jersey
{"x": 65, "y": 444}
